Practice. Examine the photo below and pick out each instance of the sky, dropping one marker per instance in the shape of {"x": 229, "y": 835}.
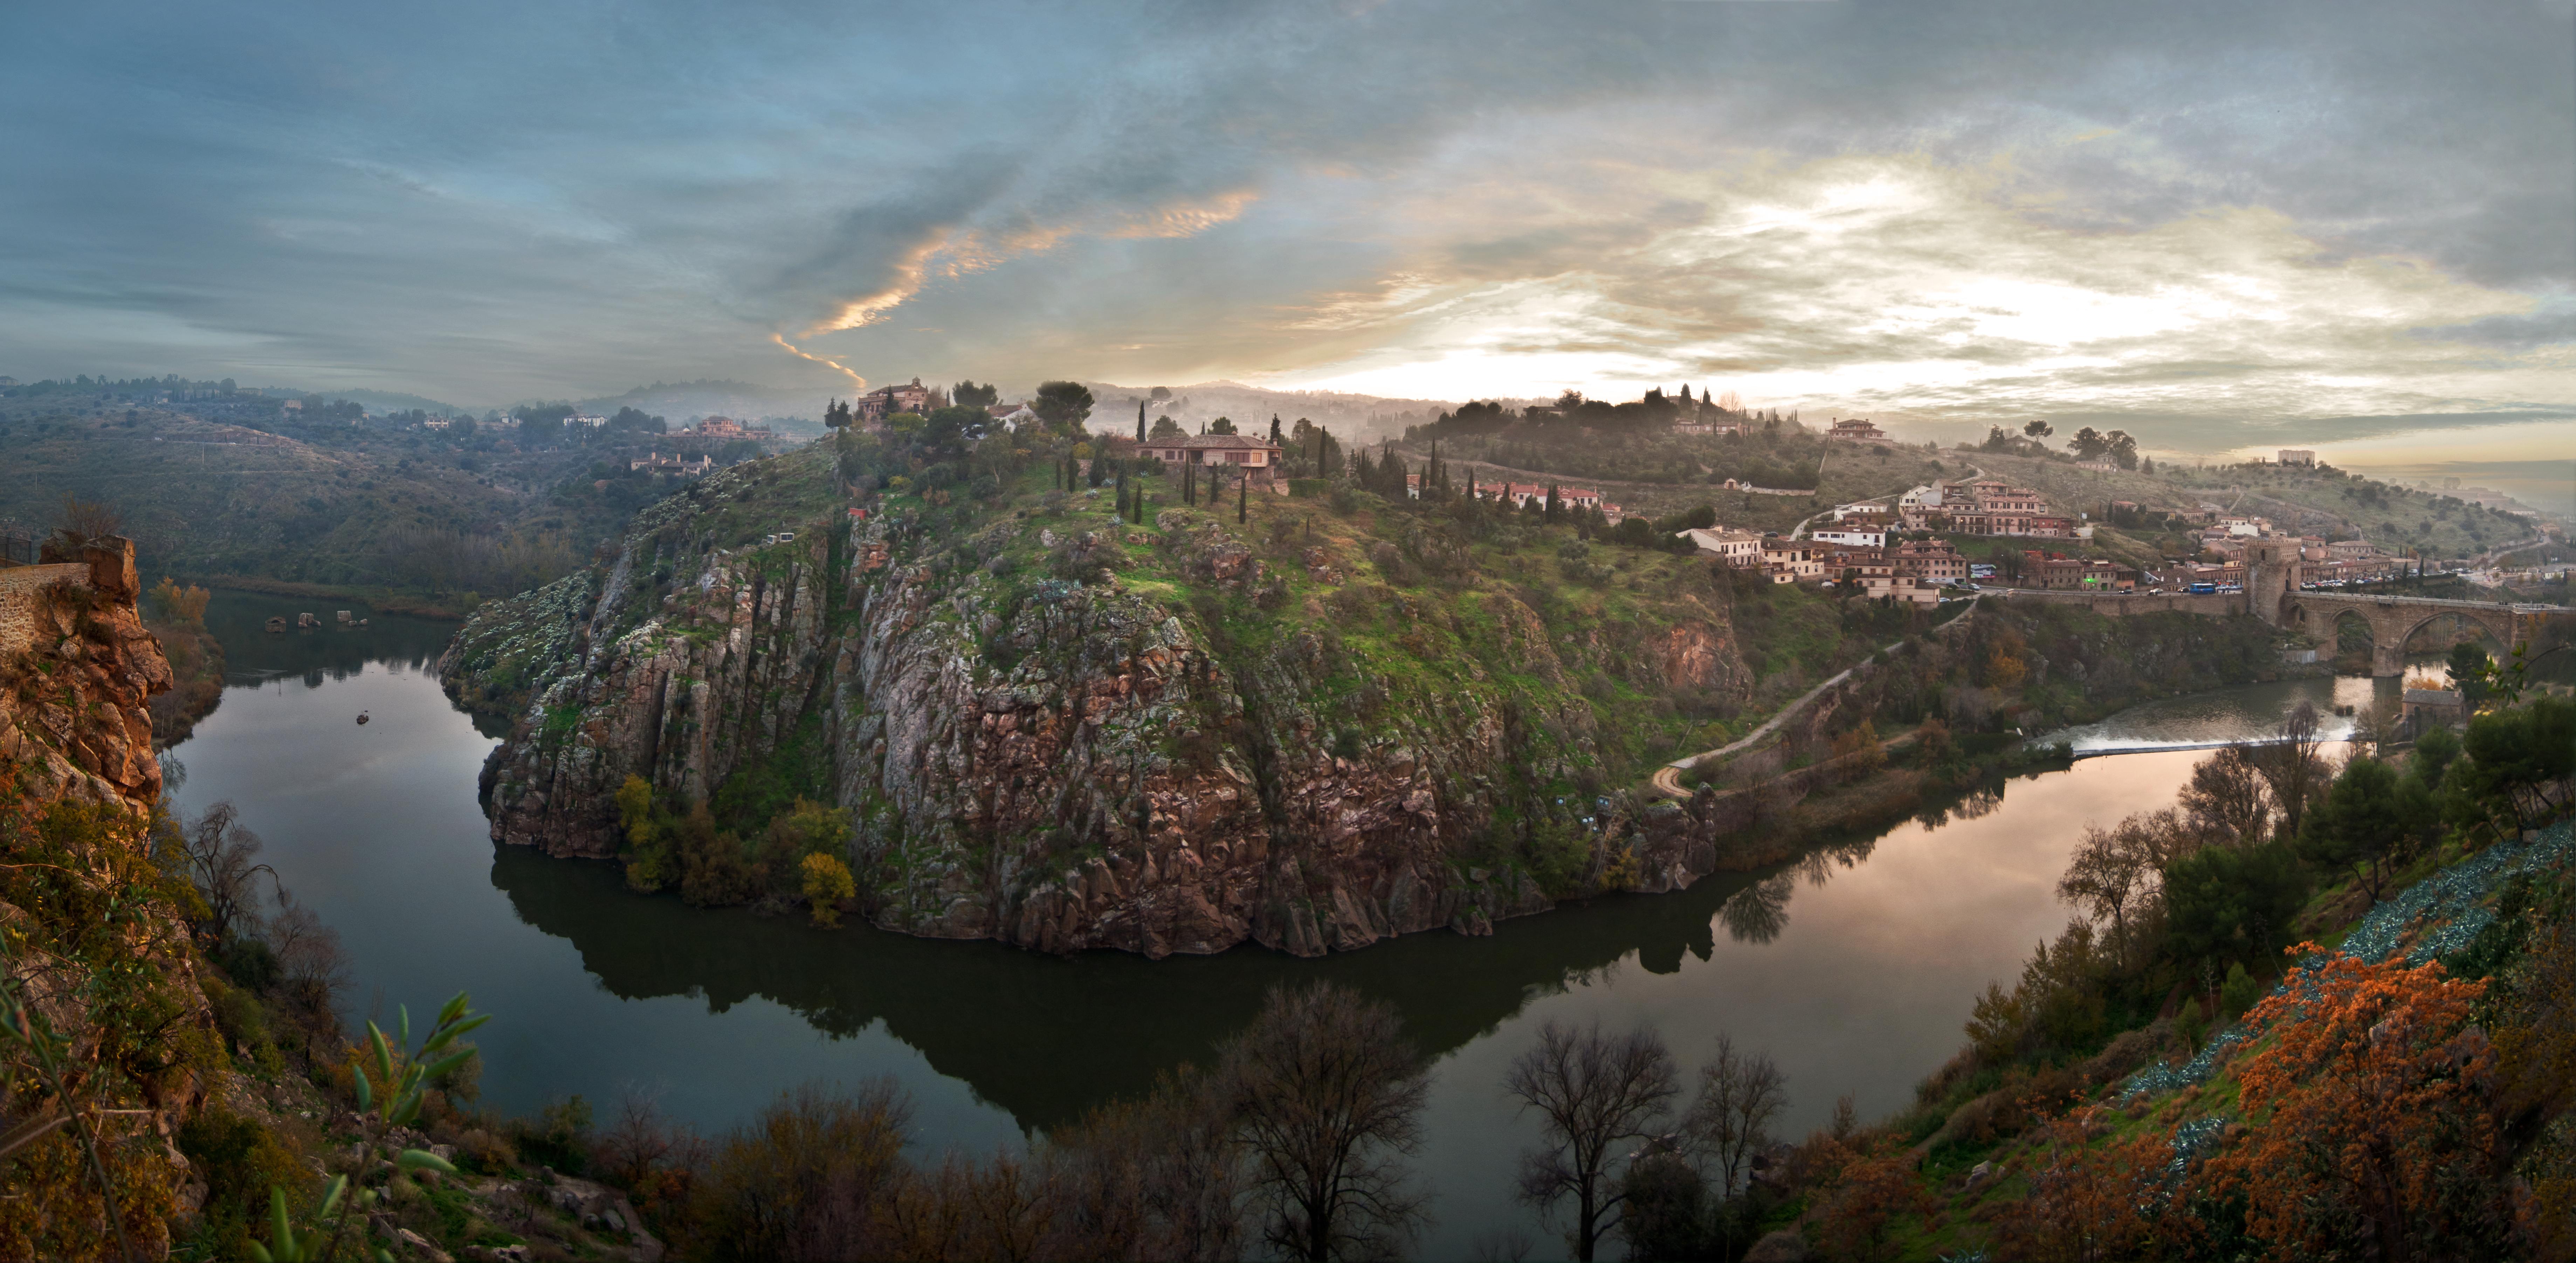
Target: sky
{"x": 2220, "y": 225}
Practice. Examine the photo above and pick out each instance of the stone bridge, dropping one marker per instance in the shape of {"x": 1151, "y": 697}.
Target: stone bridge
{"x": 2393, "y": 620}
{"x": 2272, "y": 593}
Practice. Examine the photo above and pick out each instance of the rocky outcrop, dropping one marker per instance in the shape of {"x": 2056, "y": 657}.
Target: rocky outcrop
{"x": 77, "y": 675}
{"x": 98, "y": 948}
{"x": 1070, "y": 762}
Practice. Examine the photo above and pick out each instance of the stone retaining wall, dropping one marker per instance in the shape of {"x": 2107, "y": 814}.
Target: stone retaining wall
{"x": 2120, "y": 604}
{"x": 22, "y": 600}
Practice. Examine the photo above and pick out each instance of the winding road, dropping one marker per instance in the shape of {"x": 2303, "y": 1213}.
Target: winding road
{"x": 1668, "y": 778}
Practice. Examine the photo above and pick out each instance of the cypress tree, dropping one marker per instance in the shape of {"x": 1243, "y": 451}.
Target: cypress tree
{"x": 1243, "y": 498}
{"x": 1140, "y": 420}
{"x": 1551, "y": 502}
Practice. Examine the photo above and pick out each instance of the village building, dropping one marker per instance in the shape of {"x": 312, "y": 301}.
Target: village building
{"x": 1931, "y": 560}
{"x": 2422, "y": 710}
{"x": 1735, "y": 548}
{"x": 1855, "y": 430}
{"x": 1259, "y": 457}
{"x": 1855, "y": 536}
{"x": 1790, "y": 560}
{"x": 1899, "y": 587}
{"x": 2298, "y": 456}
{"x": 1524, "y": 494}
{"x": 2058, "y": 572}
{"x": 725, "y": 428}
{"x": 686, "y": 467}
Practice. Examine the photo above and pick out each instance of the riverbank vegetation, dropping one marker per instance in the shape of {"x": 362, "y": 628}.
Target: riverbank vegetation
{"x": 165, "y": 996}
{"x": 2249, "y": 1043}
{"x": 176, "y": 615}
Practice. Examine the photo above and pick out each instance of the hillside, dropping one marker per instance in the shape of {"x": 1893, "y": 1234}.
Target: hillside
{"x": 1311, "y": 722}
{"x": 235, "y": 488}
{"x": 2303, "y": 500}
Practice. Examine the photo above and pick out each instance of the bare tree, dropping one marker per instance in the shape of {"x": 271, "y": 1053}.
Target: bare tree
{"x": 85, "y": 520}
{"x": 2114, "y": 874}
{"x": 221, "y": 855}
{"x": 1740, "y": 1095}
{"x": 1324, "y": 1092}
{"x": 2227, "y": 801}
{"x": 312, "y": 971}
{"x": 1595, "y": 1090}
{"x": 2292, "y": 767}
{"x": 639, "y": 1143}
{"x": 2106, "y": 876}
{"x": 1158, "y": 1178}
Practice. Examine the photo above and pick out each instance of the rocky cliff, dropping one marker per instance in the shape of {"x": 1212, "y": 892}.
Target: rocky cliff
{"x": 95, "y": 952}
{"x": 77, "y": 675}
{"x": 1064, "y": 732}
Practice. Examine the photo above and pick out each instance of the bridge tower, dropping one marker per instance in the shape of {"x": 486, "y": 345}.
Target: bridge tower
{"x": 2271, "y": 577}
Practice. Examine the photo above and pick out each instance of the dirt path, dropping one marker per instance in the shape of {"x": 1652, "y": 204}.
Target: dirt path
{"x": 1668, "y": 778}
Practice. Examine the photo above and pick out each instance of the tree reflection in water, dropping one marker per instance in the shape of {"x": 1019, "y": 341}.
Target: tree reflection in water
{"x": 1047, "y": 1038}
{"x": 1757, "y": 913}
{"x": 1976, "y": 804}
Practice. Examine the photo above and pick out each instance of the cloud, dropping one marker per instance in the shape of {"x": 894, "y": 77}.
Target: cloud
{"x": 494, "y": 201}
{"x": 1900, "y": 283}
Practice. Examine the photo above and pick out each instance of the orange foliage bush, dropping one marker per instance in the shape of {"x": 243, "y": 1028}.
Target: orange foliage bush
{"x": 2369, "y": 1128}
{"x": 2086, "y": 1201}
{"x": 1874, "y": 1192}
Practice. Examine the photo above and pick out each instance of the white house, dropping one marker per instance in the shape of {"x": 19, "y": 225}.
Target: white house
{"x": 1856, "y": 537}
{"x": 1735, "y": 548}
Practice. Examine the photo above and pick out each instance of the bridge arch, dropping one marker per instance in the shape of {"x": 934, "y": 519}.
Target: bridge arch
{"x": 2393, "y": 622}
{"x": 2499, "y": 628}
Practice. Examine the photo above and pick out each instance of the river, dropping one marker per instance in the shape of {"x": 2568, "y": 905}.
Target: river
{"x": 1855, "y": 969}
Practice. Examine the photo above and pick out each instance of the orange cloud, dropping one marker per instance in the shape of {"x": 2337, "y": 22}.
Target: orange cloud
{"x": 855, "y": 380}
{"x": 955, "y": 252}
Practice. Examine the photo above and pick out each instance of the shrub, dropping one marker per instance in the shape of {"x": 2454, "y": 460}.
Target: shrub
{"x": 1557, "y": 858}
{"x": 827, "y": 883}
{"x": 239, "y": 1160}
{"x": 559, "y": 1136}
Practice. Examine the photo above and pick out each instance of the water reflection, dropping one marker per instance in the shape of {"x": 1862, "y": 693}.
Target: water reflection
{"x": 1757, "y": 913}
{"x": 1862, "y": 990}
{"x": 1108, "y": 1022}
{"x": 316, "y": 655}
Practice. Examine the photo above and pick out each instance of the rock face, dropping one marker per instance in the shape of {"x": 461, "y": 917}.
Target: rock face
{"x": 77, "y": 675}
{"x": 1060, "y": 764}
{"x": 77, "y": 775}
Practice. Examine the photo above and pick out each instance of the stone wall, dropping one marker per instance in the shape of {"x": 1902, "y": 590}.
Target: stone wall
{"x": 2122, "y": 604}
{"x": 22, "y": 601}
{"x": 77, "y": 675}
